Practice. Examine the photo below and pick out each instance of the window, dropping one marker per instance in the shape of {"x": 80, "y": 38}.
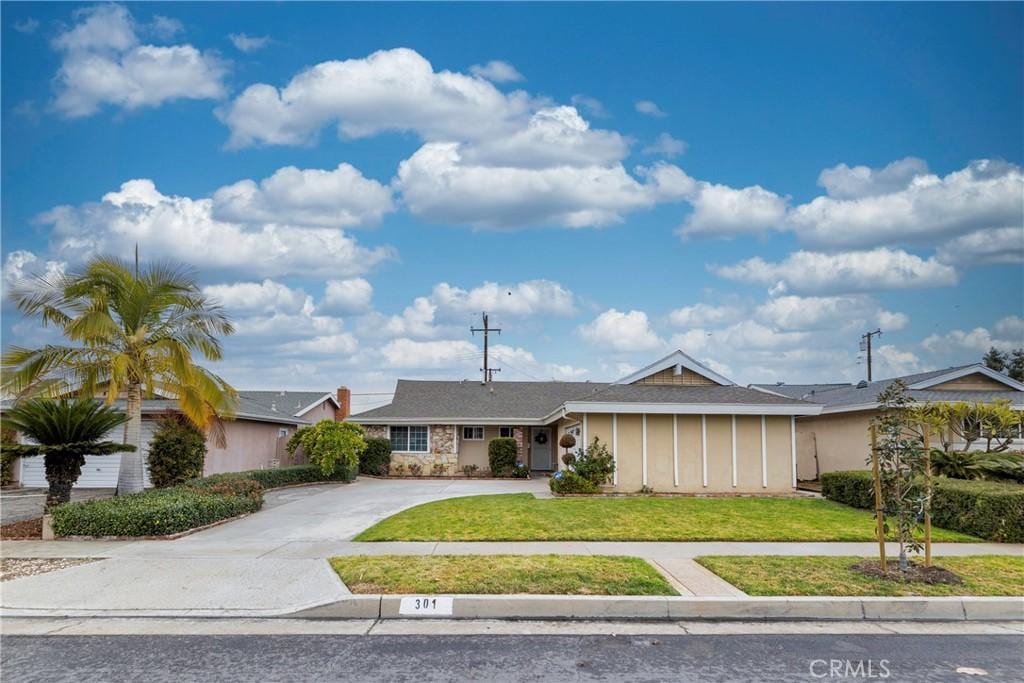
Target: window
{"x": 411, "y": 439}
{"x": 507, "y": 432}
{"x": 473, "y": 433}
{"x": 282, "y": 432}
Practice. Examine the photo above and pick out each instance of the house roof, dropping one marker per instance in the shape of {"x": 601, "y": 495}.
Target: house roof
{"x": 247, "y": 410}
{"x": 294, "y": 403}
{"x": 800, "y": 391}
{"x": 539, "y": 402}
{"x": 864, "y": 396}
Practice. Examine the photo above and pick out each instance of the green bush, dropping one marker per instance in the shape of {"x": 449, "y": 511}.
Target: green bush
{"x": 330, "y": 445}
{"x": 501, "y": 456}
{"x": 159, "y": 512}
{"x": 7, "y": 456}
{"x": 595, "y": 464}
{"x": 376, "y": 459}
{"x": 285, "y": 476}
{"x": 567, "y": 481}
{"x": 176, "y": 453}
{"x": 987, "y": 509}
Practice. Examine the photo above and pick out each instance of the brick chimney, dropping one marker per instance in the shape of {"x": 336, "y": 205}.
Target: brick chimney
{"x": 344, "y": 403}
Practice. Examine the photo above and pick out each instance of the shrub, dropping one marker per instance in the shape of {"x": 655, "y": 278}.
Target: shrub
{"x": 376, "y": 459}
{"x": 176, "y": 453}
{"x": 284, "y": 476}
{"x": 158, "y": 512}
{"x": 415, "y": 469}
{"x": 437, "y": 470}
{"x": 595, "y": 464}
{"x": 501, "y": 456}
{"x": 990, "y": 510}
{"x": 520, "y": 471}
{"x": 567, "y": 481}
{"x": 469, "y": 470}
{"x": 7, "y": 456}
{"x": 330, "y": 445}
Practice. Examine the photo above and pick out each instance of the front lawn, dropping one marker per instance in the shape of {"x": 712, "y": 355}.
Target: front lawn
{"x": 779, "y": 575}
{"x": 522, "y": 517}
{"x": 501, "y": 574}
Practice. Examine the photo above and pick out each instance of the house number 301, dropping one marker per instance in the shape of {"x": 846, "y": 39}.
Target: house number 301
{"x": 426, "y": 606}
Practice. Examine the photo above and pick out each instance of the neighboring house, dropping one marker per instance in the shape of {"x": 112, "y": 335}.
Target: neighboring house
{"x": 838, "y": 439}
{"x": 255, "y": 438}
{"x": 675, "y": 426}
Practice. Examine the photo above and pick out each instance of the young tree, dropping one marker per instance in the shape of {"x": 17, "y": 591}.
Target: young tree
{"x": 901, "y": 460}
{"x": 1015, "y": 367}
{"x": 65, "y": 432}
{"x": 330, "y": 445}
{"x": 130, "y": 332}
{"x": 995, "y": 359}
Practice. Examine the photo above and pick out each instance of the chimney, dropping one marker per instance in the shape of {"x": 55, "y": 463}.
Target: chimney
{"x": 344, "y": 403}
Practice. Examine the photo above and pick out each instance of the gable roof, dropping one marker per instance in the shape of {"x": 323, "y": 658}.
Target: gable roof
{"x": 676, "y": 358}
{"x": 294, "y": 403}
{"x": 800, "y": 391}
{"x": 247, "y": 410}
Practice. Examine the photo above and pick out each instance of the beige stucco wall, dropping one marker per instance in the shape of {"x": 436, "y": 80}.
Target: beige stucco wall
{"x": 660, "y": 470}
{"x": 840, "y": 441}
{"x": 324, "y": 411}
{"x": 250, "y": 446}
{"x": 475, "y": 452}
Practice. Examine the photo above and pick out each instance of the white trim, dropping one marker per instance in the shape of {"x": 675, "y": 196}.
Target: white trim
{"x": 977, "y": 368}
{"x": 734, "y": 451}
{"x": 317, "y": 402}
{"x": 486, "y": 421}
{"x": 483, "y": 432}
{"x": 677, "y": 357}
{"x": 694, "y": 408}
{"x": 704, "y": 449}
{"x": 585, "y": 432}
{"x": 643, "y": 448}
{"x": 764, "y": 452}
{"x": 675, "y": 450}
{"x": 615, "y": 448}
{"x": 455, "y": 429}
{"x": 792, "y": 445}
{"x": 853, "y": 408}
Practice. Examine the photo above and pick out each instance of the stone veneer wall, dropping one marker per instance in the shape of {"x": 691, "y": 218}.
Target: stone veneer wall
{"x": 520, "y": 438}
{"x": 442, "y": 452}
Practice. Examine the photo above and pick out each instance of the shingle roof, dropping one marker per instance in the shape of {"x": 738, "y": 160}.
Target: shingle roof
{"x": 247, "y": 410}
{"x": 437, "y": 400}
{"x": 288, "y": 402}
{"x": 800, "y": 391}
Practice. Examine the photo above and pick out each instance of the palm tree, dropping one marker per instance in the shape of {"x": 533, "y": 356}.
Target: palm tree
{"x": 64, "y": 432}
{"x": 130, "y": 332}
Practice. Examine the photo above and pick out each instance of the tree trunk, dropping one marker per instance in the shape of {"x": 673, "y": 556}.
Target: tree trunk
{"x": 130, "y": 475}
{"x": 62, "y": 471}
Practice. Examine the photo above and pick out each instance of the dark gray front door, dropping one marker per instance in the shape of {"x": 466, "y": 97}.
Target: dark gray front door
{"x": 540, "y": 448}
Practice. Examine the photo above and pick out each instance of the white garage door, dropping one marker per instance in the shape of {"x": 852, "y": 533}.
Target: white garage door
{"x": 98, "y": 472}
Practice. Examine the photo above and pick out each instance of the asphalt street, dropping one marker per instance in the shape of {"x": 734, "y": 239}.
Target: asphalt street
{"x": 511, "y": 658}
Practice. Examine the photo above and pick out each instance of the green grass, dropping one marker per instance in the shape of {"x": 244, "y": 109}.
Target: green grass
{"x": 522, "y": 517}
{"x": 501, "y": 574}
{"x": 778, "y": 575}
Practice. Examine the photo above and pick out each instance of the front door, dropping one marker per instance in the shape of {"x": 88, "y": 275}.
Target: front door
{"x": 541, "y": 449}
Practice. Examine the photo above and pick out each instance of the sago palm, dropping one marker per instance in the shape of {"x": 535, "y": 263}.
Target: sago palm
{"x": 64, "y": 433}
{"x": 130, "y": 332}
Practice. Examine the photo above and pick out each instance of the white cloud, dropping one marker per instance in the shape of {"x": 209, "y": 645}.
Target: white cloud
{"x": 408, "y": 353}
{"x": 29, "y": 25}
{"x": 844, "y": 272}
{"x": 20, "y": 265}
{"x": 649, "y": 108}
{"x": 339, "y": 198}
{"x": 617, "y": 331}
{"x": 247, "y": 43}
{"x": 828, "y": 313}
{"x": 1011, "y": 327}
{"x": 164, "y": 28}
{"x": 984, "y": 247}
{"x": 343, "y": 343}
{"x": 266, "y": 296}
{"x": 347, "y": 296}
{"x": 700, "y": 315}
{"x": 593, "y": 106}
{"x": 497, "y": 71}
{"x": 185, "y": 229}
{"x": 844, "y": 182}
{"x": 723, "y": 211}
{"x": 417, "y": 320}
{"x": 103, "y": 63}
{"x": 889, "y": 361}
{"x": 390, "y": 90}
{"x": 532, "y": 297}
{"x": 986, "y": 194}
{"x": 978, "y": 340}
{"x": 667, "y": 146}
{"x": 566, "y": 373}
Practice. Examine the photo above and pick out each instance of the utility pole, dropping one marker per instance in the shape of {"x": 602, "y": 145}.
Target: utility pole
{"x": 865, "y": 345}
{"x": 486, "y": 329}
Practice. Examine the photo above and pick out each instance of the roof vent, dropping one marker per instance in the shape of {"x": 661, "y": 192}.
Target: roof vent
{"x": 678, "y": 369}
{"x": 273, "y": 406}
{"x": 862, "y": 384}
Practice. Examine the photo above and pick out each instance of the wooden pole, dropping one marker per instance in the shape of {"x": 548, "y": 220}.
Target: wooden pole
{"x": 879, "y": 519}
{"x": 928, "y": 498}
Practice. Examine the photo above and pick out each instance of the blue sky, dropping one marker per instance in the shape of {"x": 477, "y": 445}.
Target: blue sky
{"x": 757, "y": 184}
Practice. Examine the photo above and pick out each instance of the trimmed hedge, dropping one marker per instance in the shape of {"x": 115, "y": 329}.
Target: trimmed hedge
{"x": 987, "y": 509}
{"x": 567, "y": 481}
{"x": 501, "y": 456}
{"x": 286, "y": 476}
{"x": 376, "y": 459}
{"x": 176, "y": 453}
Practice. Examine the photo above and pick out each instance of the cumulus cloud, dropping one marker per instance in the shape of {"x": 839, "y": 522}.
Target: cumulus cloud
{"x": 497, "y": 71}
{"x": 331, "y": 344}
{"x": 28, "y": 25}
{"x": 591, "y": 105}
{"x": 1011, "y": 327}
{"x": 532, "y": 297}
{"x": 21, "y": 265}
{"x": 164, "y": 28}
{"x": 984, "y": 247}
{"x": 247, "y": 43}
{"x": 828, "y": 313}
{"x": 185, "y": 229}
{"x": 104, "y": 63}
{"x": 845, "y": 182}
{"x": 984, "y": 195}
{"x": 267, "y": 296}
{"x": 890, "y": 361}
{"x": 390, "y": 90}
{"x": 342, "y": 198}
{"x": 700, "y": 315}
{"x": 723, "y": 211}
{"x": 417, "y": 320}
{"x": 977, "y": 340}
{"x": 648, "y": 108}
{"x": 667, "y": 146}
{"x": 614, "y": 330}
{"x": 347, "y": 296}
{"x": 409, "y": 353}
{"x": 843, "y": 272}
